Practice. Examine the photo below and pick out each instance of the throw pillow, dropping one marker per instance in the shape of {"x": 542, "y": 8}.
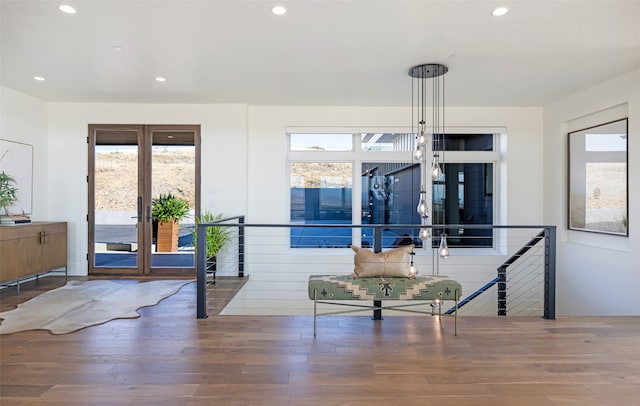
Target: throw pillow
{"x": 390, "y": 263}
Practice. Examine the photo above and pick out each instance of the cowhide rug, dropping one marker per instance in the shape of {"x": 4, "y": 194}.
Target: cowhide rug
{"x": 80, "y": 304}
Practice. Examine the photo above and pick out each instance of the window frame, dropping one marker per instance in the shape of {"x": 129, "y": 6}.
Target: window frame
{"x": 357, "y": 156}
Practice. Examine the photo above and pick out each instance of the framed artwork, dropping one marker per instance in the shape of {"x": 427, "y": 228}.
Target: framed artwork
{"x": 599, "y": 179}
{"x": 16, "y": 160}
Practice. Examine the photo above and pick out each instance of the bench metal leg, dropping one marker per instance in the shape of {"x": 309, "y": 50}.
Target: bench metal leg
{"x": 455, "y": 316}
{"x": 315, "y": 312}
{"x": 377, "y": 313}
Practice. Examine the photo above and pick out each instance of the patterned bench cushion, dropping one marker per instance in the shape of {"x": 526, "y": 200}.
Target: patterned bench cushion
{"x": 344, "y": 287}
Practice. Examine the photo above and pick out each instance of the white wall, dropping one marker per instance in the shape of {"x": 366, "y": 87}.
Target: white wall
{"x": 224, "y": 145}
{"x": 280, "y": 287}
{"x": 596, "y": 274}
{"x": 24, "y": 119}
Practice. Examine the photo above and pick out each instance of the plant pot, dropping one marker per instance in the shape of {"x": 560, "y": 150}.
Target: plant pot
{"x": 167, "y": 240}
{"x": 211, "y": 266}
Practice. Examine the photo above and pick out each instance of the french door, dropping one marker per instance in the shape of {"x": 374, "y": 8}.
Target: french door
{"x": 129, "y": 167}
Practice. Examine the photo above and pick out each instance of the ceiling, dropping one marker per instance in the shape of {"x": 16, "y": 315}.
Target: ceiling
{"x": 320, "y": 52}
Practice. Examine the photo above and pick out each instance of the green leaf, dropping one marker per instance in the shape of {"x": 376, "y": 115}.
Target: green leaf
{"x": 217, "y": 237}
{"x": 168, "y": 207}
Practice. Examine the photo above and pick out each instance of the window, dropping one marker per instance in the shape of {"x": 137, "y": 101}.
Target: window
{"x": 388, "y": 142}
{"x": 324, "y": 188}
{"x": 468, "y": 142}
{"x": 321, "y": 142}
{"x": 321, "y": 193}
{"x": 464, "y": 195}
{"x": 390, "y": 196}
{"x": 598, "y": 179}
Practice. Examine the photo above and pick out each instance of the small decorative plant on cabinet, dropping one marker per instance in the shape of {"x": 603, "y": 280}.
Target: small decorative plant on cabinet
{"x": 167, "y": 211}
{"x": 8, "y": 196}
{"x": 216, "y": 239}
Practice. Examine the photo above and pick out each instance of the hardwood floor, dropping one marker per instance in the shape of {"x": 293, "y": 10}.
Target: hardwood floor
{"x": 168, "y": 357}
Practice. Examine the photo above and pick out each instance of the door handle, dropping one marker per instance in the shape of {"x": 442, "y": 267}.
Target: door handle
{"x": 148, "y": 213}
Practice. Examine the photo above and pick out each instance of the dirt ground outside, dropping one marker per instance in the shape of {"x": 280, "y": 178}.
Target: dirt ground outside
{"x": 116, "y": 186}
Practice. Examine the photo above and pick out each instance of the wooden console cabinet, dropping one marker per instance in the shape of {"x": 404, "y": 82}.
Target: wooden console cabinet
{"x": 31, "y": 249}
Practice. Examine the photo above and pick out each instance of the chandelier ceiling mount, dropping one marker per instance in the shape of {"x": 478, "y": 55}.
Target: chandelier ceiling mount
{"x": 428, "y": 70}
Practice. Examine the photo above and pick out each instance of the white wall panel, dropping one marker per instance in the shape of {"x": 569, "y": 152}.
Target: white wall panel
{"x": 598, "y": 274}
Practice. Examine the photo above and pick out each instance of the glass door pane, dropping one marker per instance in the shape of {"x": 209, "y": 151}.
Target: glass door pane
{"x": 116, "y": 201}
{"x": 173, "y": 169}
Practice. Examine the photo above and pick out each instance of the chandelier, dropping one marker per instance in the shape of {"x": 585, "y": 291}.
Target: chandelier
{"x": 427, "y": 98}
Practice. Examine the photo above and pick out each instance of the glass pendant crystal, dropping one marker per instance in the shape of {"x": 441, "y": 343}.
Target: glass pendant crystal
{"x": 422, "y": 138}
{"x": 443, "y": 251}
{"x": 436, "y": 169}
{"x": 423, "y": 209}
{"x": 413, "y": 271}
{"x": 424, "y": 234}
{"x": 417, "y": 154}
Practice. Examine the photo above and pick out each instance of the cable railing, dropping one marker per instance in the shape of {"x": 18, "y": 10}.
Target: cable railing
{"x": 279, "y": 269}
{"x": 525, "y": 274}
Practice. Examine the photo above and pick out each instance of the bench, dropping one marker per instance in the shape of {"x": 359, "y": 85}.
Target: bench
{"x": 334, "y": 289}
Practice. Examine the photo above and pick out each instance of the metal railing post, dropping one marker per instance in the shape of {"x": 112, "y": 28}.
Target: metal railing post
{"x": 502, "y": 291}
{"x": 377, "y": 247}
{"x": 550, "y": 273}
{"x": 201, "y": 273}
{"x": 241, "y": 247}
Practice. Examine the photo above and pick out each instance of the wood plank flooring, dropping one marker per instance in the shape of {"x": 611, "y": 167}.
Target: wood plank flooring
{"x": 168, "y": 357}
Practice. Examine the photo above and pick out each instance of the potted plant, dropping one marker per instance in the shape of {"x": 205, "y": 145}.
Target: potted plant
{"x": 167, "y": 211}
{"x": 216, "y": 238}
{"x": 8, "y": 195}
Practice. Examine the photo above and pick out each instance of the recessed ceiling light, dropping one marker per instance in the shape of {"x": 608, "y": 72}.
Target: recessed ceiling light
{"x": 161, "y": 79}
{"x": 278, "y": 10}
{"x": 500, "y": 11}
{"x": 65, "y": 8}
{"x": 39, "y": 78}
{"x": 117, "y": 48}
